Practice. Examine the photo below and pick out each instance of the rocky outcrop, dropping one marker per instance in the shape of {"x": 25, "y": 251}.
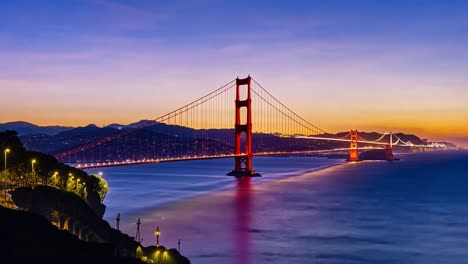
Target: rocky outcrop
{"x": 68, "y": 211}
{"x": 29, "y": 238}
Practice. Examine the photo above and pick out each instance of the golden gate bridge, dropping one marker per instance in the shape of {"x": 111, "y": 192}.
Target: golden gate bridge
{"x": 207, "y": 128}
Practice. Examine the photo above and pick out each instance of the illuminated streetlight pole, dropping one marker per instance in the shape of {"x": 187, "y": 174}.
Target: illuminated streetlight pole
{"x": 164, "y": 256}
{"x": 6, "y": 152}
{"x": 32, "y": 169}
{"x": 76, "y": 185}
{"x": 32, "y": 165}
{"x": 55, "y": 178}
{"x": 156, "y": 256}
{"x": 70, "y": 176}
{"x": 5, "y": 175}
{"x": 157, "y": 233}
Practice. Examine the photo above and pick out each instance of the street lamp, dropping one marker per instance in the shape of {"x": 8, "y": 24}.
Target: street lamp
{"x": 55, "y": 178}
{"x": 6, "y": 152}
{"x": 5, "y": 176}
{"x": 157, "y": 256}
{"x": 69, "y": 184}
{"x": 33, "y": 161}
{"x": 157, "y": 233}
{"x": 32, "y": 165}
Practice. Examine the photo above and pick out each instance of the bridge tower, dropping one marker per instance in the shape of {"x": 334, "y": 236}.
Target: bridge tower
{"x": 353, "y": 148}
{"x": 243, "y": 162}
{"x": 389, "y": 149}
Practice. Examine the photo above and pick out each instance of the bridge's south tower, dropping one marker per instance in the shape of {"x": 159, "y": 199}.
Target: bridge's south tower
{"x": 243, "y": 162}
{"x": 389, "y": 149}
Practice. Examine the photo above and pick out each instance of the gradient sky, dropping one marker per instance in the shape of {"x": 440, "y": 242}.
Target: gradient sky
{"x": 370, "y": 65}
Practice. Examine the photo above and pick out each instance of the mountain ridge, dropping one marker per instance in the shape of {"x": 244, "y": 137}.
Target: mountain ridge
{"x": 67, "y": 138}
{"x": 26, "y": 128}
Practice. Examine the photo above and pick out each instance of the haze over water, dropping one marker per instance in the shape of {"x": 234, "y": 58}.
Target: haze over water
{"x": 407, "y": 211}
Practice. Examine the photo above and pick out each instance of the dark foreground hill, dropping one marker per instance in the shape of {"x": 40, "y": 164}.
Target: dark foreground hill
{"x": 29, "y": 238}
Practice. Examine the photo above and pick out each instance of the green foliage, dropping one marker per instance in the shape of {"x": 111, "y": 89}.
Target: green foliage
{"x": 99, "y": 184}
{"x": 46, "y": 170}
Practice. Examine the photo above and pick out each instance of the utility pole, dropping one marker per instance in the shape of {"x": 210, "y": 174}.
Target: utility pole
{"x": 178, "y": 245}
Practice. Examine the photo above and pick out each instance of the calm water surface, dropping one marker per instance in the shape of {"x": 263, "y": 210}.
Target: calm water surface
{"x": 411, "y": 211}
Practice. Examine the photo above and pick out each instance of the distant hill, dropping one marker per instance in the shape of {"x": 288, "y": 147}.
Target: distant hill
{"x": 25, "y": 128}
{"x": 69, "y": 138}
{"x": 132, "y": 125}
{"x": 66, "y": 140}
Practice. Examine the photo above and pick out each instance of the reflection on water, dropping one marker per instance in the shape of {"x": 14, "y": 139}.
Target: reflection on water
{"x": 410, "y": 211}
{"x": 242, "y": 203}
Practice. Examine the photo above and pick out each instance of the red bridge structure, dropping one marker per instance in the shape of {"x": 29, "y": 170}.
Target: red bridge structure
{"x": 243, "y": 164}
{"x": 204, "y": 129}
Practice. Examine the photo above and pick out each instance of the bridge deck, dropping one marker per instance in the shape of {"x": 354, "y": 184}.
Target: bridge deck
{"x": 86, "y": 166}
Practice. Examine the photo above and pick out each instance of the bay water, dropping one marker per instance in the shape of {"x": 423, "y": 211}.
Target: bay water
{"x": 302, "y": 209}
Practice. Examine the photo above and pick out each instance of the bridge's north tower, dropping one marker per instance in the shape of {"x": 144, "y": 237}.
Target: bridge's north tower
{"x": 243, "y": 162}
{"x": 353, "y": 147}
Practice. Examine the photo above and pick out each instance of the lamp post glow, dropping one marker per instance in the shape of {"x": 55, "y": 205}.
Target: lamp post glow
{"x": 4, "y": 175}
{"x": 32, "y": 165}
{"x": 33, "y": 161}
{"x": 6, "y": 152}
{"x": 55, "y": 178}
{"x": 69, "y": 183}
{"x": 157, "y": 233}
{"x": 156, "y": 256}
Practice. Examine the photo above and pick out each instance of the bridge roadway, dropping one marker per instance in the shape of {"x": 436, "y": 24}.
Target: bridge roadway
{"x": 85, "y": 166}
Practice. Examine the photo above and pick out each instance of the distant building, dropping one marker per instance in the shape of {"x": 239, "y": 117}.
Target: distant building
{"x": 425, "y": 140}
